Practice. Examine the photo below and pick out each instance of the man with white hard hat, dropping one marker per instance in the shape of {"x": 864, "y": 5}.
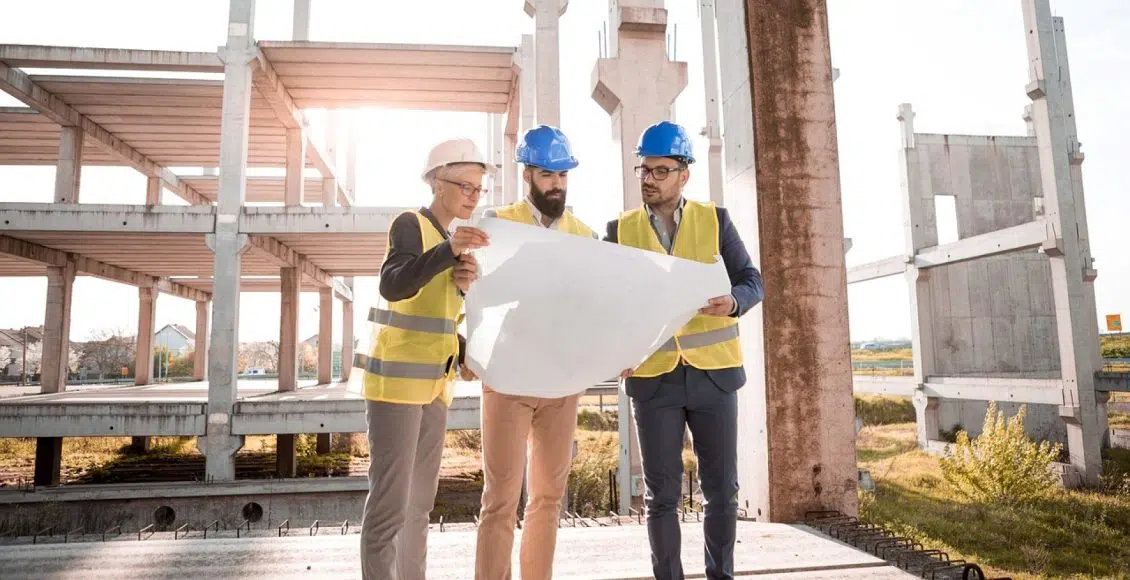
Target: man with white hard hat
{"x": 415, "y": 353}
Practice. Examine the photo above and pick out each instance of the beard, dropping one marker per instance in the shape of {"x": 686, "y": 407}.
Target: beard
{"x": 553, "y": 208}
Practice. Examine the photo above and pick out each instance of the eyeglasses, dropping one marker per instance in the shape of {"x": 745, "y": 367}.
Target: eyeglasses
{"x": 659, "y": 173}
{"x": 466, "y": 188}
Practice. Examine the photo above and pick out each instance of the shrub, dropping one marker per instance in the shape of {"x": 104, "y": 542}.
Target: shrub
{"x": 596, "y": 421}
{"x": 1002, "y": 465}
{"x": 588, "y": 479}
{"x": 471, "y": 439}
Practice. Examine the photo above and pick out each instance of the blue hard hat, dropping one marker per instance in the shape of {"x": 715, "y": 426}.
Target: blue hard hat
{"x": 665, "y": 139}
{"x": 546, "y": 147}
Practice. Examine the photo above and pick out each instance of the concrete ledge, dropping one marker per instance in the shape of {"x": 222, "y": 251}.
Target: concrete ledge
{"x": 315, "y": 220}
{"x": 60, "y": 217}
{"x": 135, "y": 491}
{"x": 101, "y": 420}
{"x": 1112, "y": 382}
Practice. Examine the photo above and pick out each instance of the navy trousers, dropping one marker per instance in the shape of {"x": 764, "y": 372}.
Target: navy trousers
{"x": 664, "y": 407}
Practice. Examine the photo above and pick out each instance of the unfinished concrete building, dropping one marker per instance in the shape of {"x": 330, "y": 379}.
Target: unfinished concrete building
{"x": 1004, "y": 312}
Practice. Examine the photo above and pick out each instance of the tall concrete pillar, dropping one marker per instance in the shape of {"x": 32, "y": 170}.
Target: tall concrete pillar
{"x": 57, "y": 329}
{"x": 347, "y": 334}
{"x": 54, "y": 370}
{"x": 153, "y": 189}
{"x": 547, "y": 26}
{"x": 325, "y": 335}
{"x": 637, "y": 86}
{"x": 294, "y": 181}
{"x": 68, "y": 172}
{"x": 329, "y": 184}
{"x": 917, "y": 211}
{"x": 713, "y": 105}
{"x": 200, "y": 350}
{"x": 796, "y": 441}
{"x": 286, "y": 452}
{"x": 146, "y": 319}
{"x": 301, "y": 22}
{"x": 220, "y": 445}
{"x": 1072, "y": 267}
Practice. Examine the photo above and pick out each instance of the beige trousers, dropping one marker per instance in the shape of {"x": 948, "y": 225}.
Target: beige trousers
{"x": 508, "y": 423}
{"x": 405, "y": 451}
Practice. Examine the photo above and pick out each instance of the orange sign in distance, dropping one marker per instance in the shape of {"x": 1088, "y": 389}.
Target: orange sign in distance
{"x": 1114, "y": 322}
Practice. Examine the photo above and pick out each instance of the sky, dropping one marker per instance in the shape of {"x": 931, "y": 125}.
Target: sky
{"x": 960, "y": 63}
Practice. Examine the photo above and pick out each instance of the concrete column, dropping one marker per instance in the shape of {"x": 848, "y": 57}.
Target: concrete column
{"x": 1070, "y": 259}
{"x": 497, "y": 144}
{"x": 347, "y": 334}
{"x": 301, "y": 22}
{"x": 713, "y": 105}
{"x": 220, "y": 445}
{"x": 200, "y": 351}
{"x": 295, "y": 164}
{"x": 57, "y": 329}
{"x": 630, "y": 465}
{"x": 288, "y": 329}
{"x": 325, "y": 335}
{"x": 146, "y": 319}
{"x": 919, "y": 233}
{"x": 68, "y": 172}
{"x": 529, "y": 87}
{"x": 638, "y": 85}
{"x": 329, "y": 184}
{"x": 153, "y": 191}
{"x": 796, "y": 440}
{"x": 53, "y": 369}
{"x": 509, "y": 169}
{"x": 286, "y": 459}
{"x": 351, "y": 159}
{"x": 547, "y": 24}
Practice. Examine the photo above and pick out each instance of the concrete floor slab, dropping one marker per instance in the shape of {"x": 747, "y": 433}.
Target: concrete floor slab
{"x": 769, "y": 550}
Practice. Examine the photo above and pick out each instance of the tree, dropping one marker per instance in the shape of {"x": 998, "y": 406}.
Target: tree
{"x": 33, "y": 355}
{"x": 5, "y": 358}
{"x": 307, "y": 358}
{"x": 258, "y": 355}
{"x": 108, "y": 351}
{"x": 73, "y": 359}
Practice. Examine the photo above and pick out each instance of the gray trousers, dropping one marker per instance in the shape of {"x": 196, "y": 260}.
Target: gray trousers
{"x": 687, "y": 397}
{"x": 405, "y": 450}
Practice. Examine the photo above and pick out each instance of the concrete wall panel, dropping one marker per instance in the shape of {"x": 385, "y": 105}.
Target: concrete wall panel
{"x": 993, "y": 317}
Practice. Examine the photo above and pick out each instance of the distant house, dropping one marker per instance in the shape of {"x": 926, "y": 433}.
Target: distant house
{"x": 177, "y": 338}
{"x": 14, "y": 338}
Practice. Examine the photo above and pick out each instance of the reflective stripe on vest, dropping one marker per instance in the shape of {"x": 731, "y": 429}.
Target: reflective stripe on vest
{"x": 701, "y": 339}
{"x": 411, "y": 322}
{"x": 399, "y": 370}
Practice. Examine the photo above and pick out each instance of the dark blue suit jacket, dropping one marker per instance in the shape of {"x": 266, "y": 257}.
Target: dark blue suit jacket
{"x": 746, "y": 289}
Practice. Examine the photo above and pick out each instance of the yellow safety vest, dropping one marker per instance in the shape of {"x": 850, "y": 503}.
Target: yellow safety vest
{"x": 415, "y": 344}
{"x": 520, "y": 212}
{"x": 705, "y": 342}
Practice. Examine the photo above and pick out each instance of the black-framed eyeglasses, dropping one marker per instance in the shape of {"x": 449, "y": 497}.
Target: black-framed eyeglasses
{"x": 466, "y": 188}
{"x": 659, "y": 173}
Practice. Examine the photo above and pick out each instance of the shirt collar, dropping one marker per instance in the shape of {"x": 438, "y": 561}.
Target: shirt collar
{"x": 678, "y": 211}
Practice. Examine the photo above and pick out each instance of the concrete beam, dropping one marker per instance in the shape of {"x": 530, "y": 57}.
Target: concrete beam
{"x": 56, "y": 258}
{"x": 268, "y": 84}
{"x": 342, "y": 416}
{"x": 343, "y": 290}
{"x": 20, "y": 86}
{"x": 16, "y": 217}
{"x": 309, "y": 220}
{"x": 76, "y": 57}
{"x": 68, "y": 172}
{"x": 1027, "y": 236}
{"x": 282, "y": 255}
{"x": 878, "y": 269}
{"x": 1112, "y": 382}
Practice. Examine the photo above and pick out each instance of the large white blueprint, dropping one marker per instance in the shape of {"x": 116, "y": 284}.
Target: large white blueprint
{"x": 552, "y": 314}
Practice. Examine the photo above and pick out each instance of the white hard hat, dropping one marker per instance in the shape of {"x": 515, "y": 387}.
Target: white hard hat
{"x": 455, "y": 151}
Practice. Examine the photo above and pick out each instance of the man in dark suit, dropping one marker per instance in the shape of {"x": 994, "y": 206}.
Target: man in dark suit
{"x": 692, "y": 380}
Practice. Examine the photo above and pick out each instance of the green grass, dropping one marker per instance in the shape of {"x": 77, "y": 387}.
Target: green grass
{"x": 1072, "y": 534}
